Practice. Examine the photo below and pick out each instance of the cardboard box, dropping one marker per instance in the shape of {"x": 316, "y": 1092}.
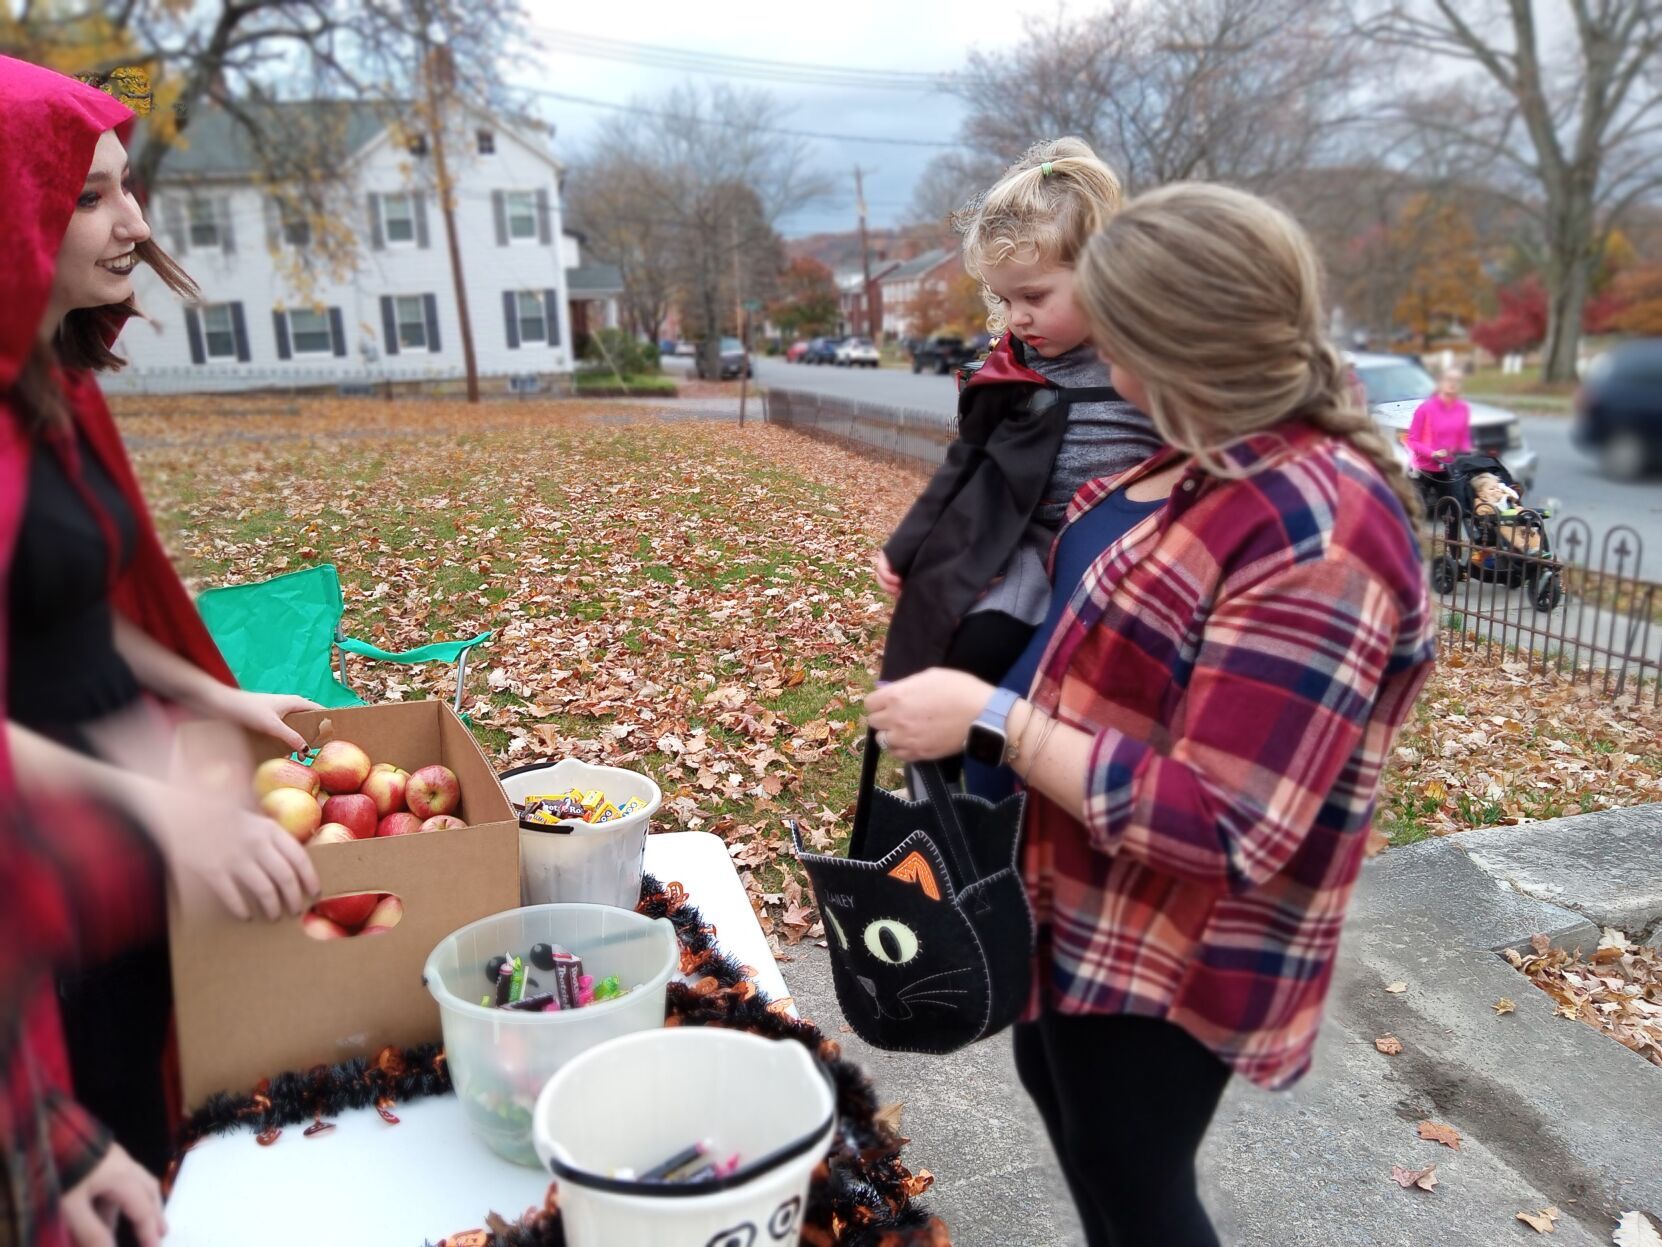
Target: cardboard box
{"x": 258, "y": 998}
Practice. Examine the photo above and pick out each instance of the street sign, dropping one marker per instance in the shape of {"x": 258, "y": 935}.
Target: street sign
{"x": 752, "y": 305}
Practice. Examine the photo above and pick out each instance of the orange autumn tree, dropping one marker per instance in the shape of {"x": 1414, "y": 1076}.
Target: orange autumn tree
{"x": 953, "y": 306}
{"x": 1637, "y": 292}
{"x": 1446, "y": 285}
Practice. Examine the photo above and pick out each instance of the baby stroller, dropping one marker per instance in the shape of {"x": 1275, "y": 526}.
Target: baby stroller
{"x": 1501, "y": 542}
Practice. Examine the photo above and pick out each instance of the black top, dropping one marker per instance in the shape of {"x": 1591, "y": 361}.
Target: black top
{"x": 63, "y": 666}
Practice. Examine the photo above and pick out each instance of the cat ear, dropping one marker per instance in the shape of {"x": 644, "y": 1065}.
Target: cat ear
{"x": 914, "y": 868}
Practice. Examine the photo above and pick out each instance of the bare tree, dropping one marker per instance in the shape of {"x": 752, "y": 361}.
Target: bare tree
{"x": 1244, "y": 91}
{"x": 704, "y": 189}
{"x": 1574, "y": 133}
{"x": 947, "y": 183}
{"x": 613, "y": 199}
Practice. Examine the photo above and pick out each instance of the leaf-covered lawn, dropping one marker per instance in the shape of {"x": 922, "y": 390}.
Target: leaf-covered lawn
{"x": 695, "y": 600}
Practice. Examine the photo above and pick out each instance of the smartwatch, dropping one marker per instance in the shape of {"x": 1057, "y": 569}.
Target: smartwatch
{"x": 987, "y": 742}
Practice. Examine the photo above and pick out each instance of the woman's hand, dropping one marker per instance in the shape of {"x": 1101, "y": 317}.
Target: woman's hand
{"x": 928, "y": 715}
{"x": 117, "y": 1187}
{"x": 262, "y": 713}
{"x": 886, "y": 576}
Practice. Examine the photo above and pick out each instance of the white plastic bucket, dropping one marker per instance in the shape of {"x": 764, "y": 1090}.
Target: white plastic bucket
{"x": 633, "y": 1102}
{"x": 585, "y": 863}
{"x": 499, "y": 1059}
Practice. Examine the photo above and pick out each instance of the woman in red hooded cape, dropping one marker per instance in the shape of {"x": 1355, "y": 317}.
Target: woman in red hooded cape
{"x": 69, "y": 501}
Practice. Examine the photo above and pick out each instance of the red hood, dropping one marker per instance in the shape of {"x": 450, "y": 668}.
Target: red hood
{"x": 1002, "y": 367}
{"x": 49, "y": 126}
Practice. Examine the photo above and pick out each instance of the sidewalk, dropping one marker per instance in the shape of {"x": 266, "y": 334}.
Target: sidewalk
{"x": 1552, "y": 1112}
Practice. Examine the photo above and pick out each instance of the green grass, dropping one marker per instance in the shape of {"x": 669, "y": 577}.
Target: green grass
{"x": 588, "y": 382}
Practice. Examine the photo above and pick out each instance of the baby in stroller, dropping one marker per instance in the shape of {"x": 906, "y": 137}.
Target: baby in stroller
{"x": 1476, "y": 500}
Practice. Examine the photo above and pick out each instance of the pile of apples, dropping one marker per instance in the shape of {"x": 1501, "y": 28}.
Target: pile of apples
{"x": 343, "y": 796}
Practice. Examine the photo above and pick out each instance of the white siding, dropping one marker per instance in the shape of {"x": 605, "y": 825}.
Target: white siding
{"x": 160, "y": 352}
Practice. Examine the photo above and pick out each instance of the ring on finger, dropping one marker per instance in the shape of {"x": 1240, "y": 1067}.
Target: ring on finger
{"x": 883, "y": 741}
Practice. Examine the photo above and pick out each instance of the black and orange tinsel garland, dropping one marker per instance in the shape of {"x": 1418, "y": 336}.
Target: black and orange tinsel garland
{"x": 861, "y": 1195}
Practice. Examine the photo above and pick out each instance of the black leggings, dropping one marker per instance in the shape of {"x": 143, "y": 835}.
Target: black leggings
{"x": 1126, "y": 1101}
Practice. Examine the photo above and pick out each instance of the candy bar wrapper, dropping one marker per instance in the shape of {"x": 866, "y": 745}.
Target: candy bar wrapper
{"x": 568, "y": 966}
{"x": 569, "y": 808}
{"x": 631, "y": 806}
{"x": 593, "y": 799}
{"x": 606, "y": 814}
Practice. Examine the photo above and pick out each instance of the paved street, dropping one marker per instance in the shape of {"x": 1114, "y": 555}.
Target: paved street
{"x": 1566, "y": 474}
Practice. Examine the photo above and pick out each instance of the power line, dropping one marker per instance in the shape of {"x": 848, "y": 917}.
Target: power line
{"x": 661, "y": 114}
{"x": 727, "y": 65}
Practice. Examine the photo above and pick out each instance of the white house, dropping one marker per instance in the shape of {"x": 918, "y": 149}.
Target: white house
{"x": 394, "y": 317}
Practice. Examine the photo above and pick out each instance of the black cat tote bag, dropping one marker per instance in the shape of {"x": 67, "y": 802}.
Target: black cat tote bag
{"x": 930, "y": 933}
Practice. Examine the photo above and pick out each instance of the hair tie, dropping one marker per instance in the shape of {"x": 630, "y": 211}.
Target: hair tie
{"x": 1046, "y": 169}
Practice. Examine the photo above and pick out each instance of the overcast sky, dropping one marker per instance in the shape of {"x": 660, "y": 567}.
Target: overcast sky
{"x": 907, "y": 35}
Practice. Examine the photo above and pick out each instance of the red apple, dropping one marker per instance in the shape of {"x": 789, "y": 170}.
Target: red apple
{"x": 442, "y": 822}
{"x": 385, "y": 786}
{"x": 295, "y": 811}
{"x": 341, "y": 766}
{"x": 333, "y": 833}
{"x": 275, "y": 773}
{"x": 433, "y": 790}
{"x": 321, "y": 928}
{"x": 355, "y": 811}
{"x": 349, "y": 911}
{"x": 385, "y": 916}
{"x": 400, "y": 824}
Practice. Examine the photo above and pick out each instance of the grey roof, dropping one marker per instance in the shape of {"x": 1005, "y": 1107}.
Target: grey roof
{"x": 919, "y": 264}
{"x": 593, "y": 281}
{"x": 216, "y": 145}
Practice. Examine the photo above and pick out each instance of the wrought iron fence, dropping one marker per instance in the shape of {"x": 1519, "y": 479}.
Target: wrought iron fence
{"x": 903, "y": 432}
{"x": 1550, "y": 594}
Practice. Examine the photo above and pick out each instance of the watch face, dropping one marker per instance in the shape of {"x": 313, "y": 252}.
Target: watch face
{"x": 985, "y": 744}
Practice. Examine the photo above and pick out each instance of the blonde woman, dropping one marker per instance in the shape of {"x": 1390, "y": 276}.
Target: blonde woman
{"x": 1036, "y": 421}
{"x": 1203, "y": 740}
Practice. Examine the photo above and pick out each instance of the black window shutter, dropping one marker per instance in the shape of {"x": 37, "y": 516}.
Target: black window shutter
{"x": 376, "y": 241}
{"x": 280, "y": 326}
{"x": 389, "y": 324}
{"x": 337, "y": 331}
{"x": 420, "y": 200}
{"x": 430, "y": 306}
{"x": 551, "y": 304}
{"x": 510, "y": 313}
{"x": 193, "y": 330}
{"x": 499, "y": 209}
{"x": 544, "y": 231}
{"x": 239, "y": 330}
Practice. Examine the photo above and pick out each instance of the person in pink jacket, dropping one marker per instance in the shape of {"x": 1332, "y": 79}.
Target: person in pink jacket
{"x": 1442, "y": 426}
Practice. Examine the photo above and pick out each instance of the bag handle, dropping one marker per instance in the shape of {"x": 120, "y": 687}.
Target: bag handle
{"x": 936, "y": 792}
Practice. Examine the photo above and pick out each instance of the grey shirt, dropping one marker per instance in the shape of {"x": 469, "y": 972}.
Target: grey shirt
{"x": 1101, "y": 439}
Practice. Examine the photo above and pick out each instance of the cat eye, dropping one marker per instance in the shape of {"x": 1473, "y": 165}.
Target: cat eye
{"x": 836, "y": 927}
{"x": 891, "y": 942}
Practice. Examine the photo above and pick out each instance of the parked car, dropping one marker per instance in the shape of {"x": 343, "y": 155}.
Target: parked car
{"x": 795, "y": 351}
{"x": 1394, "y": 385}
{"x": 735, "y": 360}
{"x": 821, "y": 351}
{"x": 1618, "y": 409}
{"x": 686, "y": 348}
{"x": 941, "y": 354}
{"x": 857, "y": 353}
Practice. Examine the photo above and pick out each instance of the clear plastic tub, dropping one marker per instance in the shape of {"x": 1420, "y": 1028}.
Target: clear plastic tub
{"x": 589, "y": 863}
{"x": 630, "y": 1104}
{"x": 499, "y": 1059}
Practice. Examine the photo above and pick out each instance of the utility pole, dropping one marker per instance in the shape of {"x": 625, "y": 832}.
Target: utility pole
{"x": 439, "y": 79}
{"x": 738, "y": 320}
{"x": 865, "y": 255}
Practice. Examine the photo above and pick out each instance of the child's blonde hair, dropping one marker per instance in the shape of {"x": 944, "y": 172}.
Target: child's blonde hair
{"x": 1213, "y": 298}
{"x": 1042, "y": 210}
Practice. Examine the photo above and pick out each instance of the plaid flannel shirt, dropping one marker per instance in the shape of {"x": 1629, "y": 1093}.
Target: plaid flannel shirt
{"x": 78, "y": 885}
{"x": 1244, "y": 659}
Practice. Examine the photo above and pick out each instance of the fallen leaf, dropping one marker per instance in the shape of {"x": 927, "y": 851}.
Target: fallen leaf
{"x": 888, "y": 1117}
{"x": 1425, "y": 1178}
{"x": 1390, "y": 1045}
{"x": 1635, "y": 1230}
{"x": 1504, "y": 1005}
{"x": 1376, "y": 843}
{"x": 1437, "y": 1132}
{"x": 1542, "y": 1222}
{"x": 1397, "y": 988}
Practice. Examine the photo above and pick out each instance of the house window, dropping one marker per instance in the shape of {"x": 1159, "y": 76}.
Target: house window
{"x": 398, "y": 218}
{"x": 204, "y": 223}
{"x": 418, "y": 145}
{"x": 533, "y": 322}
{"x": 309, "y": 332}
{"x": 522, "y": 214}
{"x": 487, "y": 143}
{"x": 219, "y": 335}
{"x": 297, "y": 228}
{"x": 412, "y": 323}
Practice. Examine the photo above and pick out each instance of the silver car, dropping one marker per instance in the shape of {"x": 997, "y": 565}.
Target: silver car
{"x": 1396, "y": 384}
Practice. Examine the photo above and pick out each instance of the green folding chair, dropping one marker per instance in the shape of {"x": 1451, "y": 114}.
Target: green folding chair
{"x": 278, "y": 636}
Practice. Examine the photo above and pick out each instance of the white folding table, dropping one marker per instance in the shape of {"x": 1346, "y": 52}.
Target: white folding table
{"x": 378, "y": 1185}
